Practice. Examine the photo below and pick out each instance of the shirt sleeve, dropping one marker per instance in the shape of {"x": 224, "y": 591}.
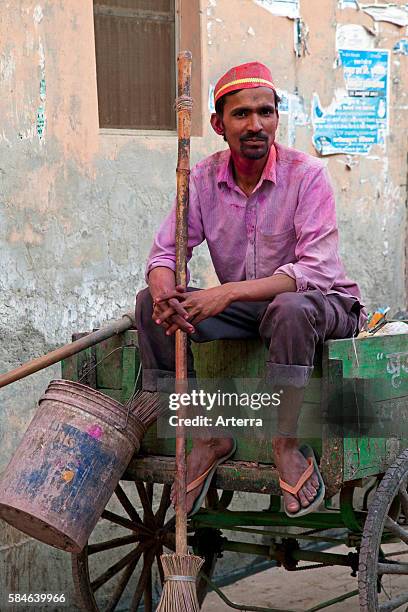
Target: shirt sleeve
{"x": 163, "y": 251}
{"x": 317, "y": 262}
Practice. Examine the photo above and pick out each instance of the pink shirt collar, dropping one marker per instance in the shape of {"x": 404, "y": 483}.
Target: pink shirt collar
{"x": 225, "y": 174}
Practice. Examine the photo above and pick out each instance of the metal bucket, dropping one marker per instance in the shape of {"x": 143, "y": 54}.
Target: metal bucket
{"x": 68, "y": 464}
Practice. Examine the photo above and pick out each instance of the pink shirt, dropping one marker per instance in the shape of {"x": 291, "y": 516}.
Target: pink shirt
{"x": 286, "y": 226}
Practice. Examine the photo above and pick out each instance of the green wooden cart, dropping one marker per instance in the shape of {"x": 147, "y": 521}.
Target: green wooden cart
{"x": 365, "y": 471}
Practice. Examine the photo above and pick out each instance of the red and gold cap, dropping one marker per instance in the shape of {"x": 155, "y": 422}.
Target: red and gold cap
{"x": 245, "y": 76}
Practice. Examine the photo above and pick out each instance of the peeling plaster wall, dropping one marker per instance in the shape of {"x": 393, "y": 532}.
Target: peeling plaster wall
{"x": 78, "y": 207}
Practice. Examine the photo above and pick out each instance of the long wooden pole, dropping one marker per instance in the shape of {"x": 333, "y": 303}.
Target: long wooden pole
{"x": 39, "y": 363}
{"x": 184, "y": 105}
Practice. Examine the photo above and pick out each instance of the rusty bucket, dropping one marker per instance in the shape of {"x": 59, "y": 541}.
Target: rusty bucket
{"x": 68, "y": 464}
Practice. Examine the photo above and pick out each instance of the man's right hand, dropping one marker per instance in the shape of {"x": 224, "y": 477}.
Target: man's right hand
{"x": 169, "y": 314}
{"x": 172, "y": 316}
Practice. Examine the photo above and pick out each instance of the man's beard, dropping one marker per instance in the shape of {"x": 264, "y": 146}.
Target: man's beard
{"x": 254, "y": 153}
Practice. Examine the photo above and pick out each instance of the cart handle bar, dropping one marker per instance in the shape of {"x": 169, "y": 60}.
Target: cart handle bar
{"x": 112, "y": 329}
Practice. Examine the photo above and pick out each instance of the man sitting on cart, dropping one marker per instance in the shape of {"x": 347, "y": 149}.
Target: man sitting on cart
{"x": 267, "y": 213}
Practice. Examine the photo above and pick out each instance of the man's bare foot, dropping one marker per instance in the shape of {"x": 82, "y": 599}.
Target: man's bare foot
{"x": 202, "y": 456}
{"x": 291, "y": 464}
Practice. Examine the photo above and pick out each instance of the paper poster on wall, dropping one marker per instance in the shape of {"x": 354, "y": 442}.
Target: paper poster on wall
{"x": 284, "y": 101}
{"x": 348, "y": 4}
{"x": 357, "y": 119}
{"x": 391, "y": 13}
{"x": 293, "y": 106}
{"x": 401, "y": 47}
{"x": 284, "y": 8}
{"x": 353, "y": 36}
{"x": 211, "y": 106}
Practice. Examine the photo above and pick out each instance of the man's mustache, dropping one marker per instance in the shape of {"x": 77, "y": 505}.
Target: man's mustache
{"x": 258, "y": 136}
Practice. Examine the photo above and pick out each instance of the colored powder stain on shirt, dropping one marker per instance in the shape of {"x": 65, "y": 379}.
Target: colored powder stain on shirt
{"x": 95, "y": 431}
{"x": 68, "y": 475}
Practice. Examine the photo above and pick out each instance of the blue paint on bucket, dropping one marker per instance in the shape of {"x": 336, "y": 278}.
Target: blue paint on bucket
{"x": 90, "y": 460}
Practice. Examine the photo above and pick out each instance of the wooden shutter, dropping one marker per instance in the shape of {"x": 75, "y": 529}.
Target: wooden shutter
{"x": 135, "y": 63}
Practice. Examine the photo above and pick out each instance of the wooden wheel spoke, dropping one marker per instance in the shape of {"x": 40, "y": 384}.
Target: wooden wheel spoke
{"x": 101, "y": 546}
{"x": 170, "y": 524}
{"x": 149, "y": 491}
{"x": 394, "y": 603}
{"x": 212, "y": 499}
{"x": 148, "y": 594}
{"x": 147, "y": 507}
{"x": 403, "y": 497}
{"x": 164, "y": 505}
{"x": 142, "y": 580}
{"x": 117, "y": 567}
{"x": 124, "y": 522}
{"x": 397, "y": 530}
{"x": 160, "y": 565}
{"x": 393, "y": 568}
{"x": 117, "y": 594}
{"x": 127, "y": 505}
{"x": 225, "y": 499}
{"x": 169, "y": 540}
{"x": 396, "y": 553}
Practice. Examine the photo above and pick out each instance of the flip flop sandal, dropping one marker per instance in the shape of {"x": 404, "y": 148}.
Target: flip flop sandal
{"x": 310, "y": 456}
{"x": 207, "y": 477}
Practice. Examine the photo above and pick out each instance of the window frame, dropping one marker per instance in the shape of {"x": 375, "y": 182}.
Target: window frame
{"x": 188, "y": 35}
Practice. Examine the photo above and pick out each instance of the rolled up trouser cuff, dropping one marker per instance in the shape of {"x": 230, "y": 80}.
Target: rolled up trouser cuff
{"x": 161, "y": 380}
{"x": 297, "y": 376}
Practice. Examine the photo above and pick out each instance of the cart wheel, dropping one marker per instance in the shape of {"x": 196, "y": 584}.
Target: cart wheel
{"x": 103, "y": 571}
{"x": 383, "y": 562}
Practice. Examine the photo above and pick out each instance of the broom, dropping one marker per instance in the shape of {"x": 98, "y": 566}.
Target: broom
{"x": 181, "y": 569}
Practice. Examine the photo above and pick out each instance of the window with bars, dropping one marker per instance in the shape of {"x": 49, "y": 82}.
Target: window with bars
{"x": 135, "y": 44}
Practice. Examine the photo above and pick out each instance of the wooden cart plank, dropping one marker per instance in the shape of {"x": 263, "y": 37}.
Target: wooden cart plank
{"x": 81, "y": 367}
{"x": 375, "y": 357}
{"x": 130, "y": 367}
{"x": 109, "y": 359}
{"x": 230, "y": 476}
{"x": 234, "y": 359}
{"x": 374, "y": 384}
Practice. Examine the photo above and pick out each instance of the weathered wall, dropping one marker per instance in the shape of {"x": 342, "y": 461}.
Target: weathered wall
{"x": 78, "y": 208}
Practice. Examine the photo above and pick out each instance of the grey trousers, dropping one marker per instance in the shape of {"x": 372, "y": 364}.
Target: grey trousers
{"x": 292, "y": 326}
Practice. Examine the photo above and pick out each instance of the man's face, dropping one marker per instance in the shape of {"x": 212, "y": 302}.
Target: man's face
{"x": 249, "y": 122}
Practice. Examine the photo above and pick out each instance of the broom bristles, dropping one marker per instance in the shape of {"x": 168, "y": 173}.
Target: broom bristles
{"x": 180, "y": 576}
{"x": 147, "y": 406}
{"x": 180, "y": 571}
